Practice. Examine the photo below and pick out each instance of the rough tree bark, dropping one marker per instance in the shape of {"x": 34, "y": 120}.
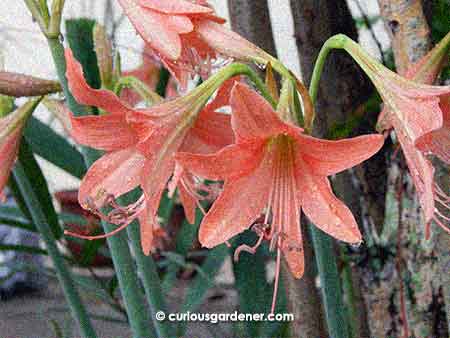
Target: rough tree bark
{"x": 420, "y": 271}
{"x": 251, "y": 19}
{"x": 410, "y": 34}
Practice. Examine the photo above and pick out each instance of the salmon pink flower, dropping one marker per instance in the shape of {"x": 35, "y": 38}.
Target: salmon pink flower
{"x": 276, "y": 170}
{"x": 170, "y": 29}
{"x": 11, "y": 127}
{"x": 419, "y": 114}
{"x": 139, "y": 145}
{"x": 437, "y": 142}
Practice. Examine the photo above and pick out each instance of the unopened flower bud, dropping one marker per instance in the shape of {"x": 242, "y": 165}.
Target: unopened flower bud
{"x": 18, "y": 85}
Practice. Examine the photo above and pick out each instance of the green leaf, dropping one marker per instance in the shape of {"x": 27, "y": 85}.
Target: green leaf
{"x": 12, "y": 216}
{"x": 90, "y": 251}
{"x": 54, "y": 148}
{"x": 250, "y": 276}
{"x": 203, "y": 281}
{"x": 165, "y": 207}
{"x": 23, "y": 248}
{"x": 440, "y": 25}
{"x": 56, "y": 328}
{"x": 81, "y": 41}
{"x": 187, "y": 234}
{"x": 40, "y": 187}
{"x": 164, "y": 77}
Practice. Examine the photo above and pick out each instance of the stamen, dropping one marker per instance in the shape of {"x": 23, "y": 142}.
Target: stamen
{"x": 89, "y": 237}
{"x": 247, "y": 248}
{"x": 196, "y": 196}
{"x": 441, "y": 215}
{"x": 441, "y": 193}
{"x": 442, "y": 225}
{"x": 443, "y": 203}
{"x": 277, "y": 279}
{"x": 120, "y": 215}
{"x": 276, "y": 201}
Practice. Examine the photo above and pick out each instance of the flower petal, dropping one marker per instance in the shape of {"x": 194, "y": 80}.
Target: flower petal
{"x": 113, "y": 174}
{"x": 153, "y": 28}
{"x": 175, "y": 6}
{"x": 227, "y": 42}
{"x": 84, "y": 94}
{"x": 292, "y": 245}
{"x": 223, "y": 95}
{"x": 188, "y": 202}
{"x": 323, "y": 208}
{"x": 146, "y": 229}
{"x": 238, "y": 206}
{"x": 210, "y": 133}
{"x": 419, "y": 116}
{"x": 232, "y": 161}
{"x": 438, "y": 141}
{"x": 179, "y": 23}
{"x": 106, "y": 132}
{"x": 327, "y": 157}
{"x": 422, "y": 173}
{"x": 252, "y": 116}
{"x": 8, "y": 154}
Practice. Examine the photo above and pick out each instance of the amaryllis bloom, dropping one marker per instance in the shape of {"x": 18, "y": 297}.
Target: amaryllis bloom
{"x": 139, "y": 145}
{"x": 276, "y": 170}
{"x": 437, "y": 142}
{"x": 11, "y": 127}
{"x": 419, "y": 114}
{"x": 170, "y": 29}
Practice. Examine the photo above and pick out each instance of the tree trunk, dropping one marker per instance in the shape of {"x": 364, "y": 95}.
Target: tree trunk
{"x": 406, "y": 24}
{"x": 416, "y": 277}
{"x": 251, "y": 19}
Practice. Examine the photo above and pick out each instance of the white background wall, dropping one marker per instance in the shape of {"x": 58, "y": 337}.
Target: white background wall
{"x": 24, "y": 50}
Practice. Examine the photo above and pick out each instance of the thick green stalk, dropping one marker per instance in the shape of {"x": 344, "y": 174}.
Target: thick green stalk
{"x": 330, "y": 284}
{"x": 150, "y": 97}
{"x": 118, "y": 244}
{"x": 323, "y": 245}
{"x": 150, "y": 280}
{"x": 336, "y": 41}
{"x": 63, "y": 273}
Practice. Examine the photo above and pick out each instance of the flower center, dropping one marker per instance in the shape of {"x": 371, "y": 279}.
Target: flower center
{"x": 280, "y": 158}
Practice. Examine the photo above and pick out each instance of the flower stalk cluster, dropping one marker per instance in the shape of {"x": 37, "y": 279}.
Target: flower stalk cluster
{"x": 271, "y": 168}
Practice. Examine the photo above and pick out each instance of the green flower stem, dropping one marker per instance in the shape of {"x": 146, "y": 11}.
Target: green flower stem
{"x": 232, "y": 70}
{"x": 63, "y": 273}
{"x": 44, "y": 11}
{"x": 150, "y": 280}
{"x": 54, "y": 26}
{"x": 337, "y": 42}
{"x": 349, "y": 290}
{"x": 149, "y": 96}
{"x": 35, "y": 11}
{"x": 118, "y": 244}
{"x": 323, "y": 245}
{"x": 330, "y": 284}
